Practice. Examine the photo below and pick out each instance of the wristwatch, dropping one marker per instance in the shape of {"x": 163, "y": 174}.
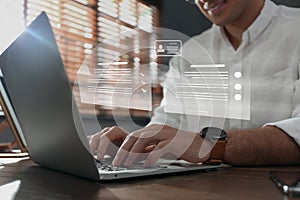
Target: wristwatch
{"x": 219, "y": 138}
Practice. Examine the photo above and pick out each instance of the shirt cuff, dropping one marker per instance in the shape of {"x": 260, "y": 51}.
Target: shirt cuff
{"x": 290, "y": 126}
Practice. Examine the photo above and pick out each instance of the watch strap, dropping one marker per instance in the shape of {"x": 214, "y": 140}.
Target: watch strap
{"x": 217, "y": 153}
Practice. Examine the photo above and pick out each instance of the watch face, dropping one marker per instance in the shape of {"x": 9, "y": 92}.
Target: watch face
{"x": 214, "y": 134}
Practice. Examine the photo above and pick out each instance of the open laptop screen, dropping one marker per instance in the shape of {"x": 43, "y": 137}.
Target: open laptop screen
{"x": 42, "y": 98}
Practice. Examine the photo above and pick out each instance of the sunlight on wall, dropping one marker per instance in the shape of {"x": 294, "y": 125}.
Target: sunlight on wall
{"x": 11, "y": 21}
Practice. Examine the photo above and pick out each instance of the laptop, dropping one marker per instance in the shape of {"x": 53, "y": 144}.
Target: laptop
{"x": 41, "y": 95}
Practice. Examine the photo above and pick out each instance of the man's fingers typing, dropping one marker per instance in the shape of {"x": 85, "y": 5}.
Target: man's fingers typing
{"x": 103, "y": 145}
{"x": 94, "y": 139}
{"x": 137, "y": 149}
{"x": 157, "y": 153}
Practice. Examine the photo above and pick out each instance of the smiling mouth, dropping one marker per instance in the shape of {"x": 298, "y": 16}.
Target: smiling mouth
{"x": 213, "y": 8}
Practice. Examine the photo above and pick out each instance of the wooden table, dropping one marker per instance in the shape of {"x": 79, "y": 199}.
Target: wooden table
{"x": 39, "y": 183}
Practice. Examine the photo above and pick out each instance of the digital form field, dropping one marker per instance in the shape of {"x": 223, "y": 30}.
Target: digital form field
{"x": 113, "y": 86}
{"x": 208, "y": 90}
{"x": 168, "y": 47}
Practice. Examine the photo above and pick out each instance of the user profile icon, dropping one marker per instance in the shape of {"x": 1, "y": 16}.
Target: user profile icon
{"x": 168, "y": 47}
{"x": 160, "y": 49}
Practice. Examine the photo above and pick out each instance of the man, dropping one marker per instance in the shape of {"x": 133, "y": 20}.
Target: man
{"x": 247, "y": 34}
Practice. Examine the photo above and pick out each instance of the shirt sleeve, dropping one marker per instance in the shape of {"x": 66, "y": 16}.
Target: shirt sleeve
{"x": 290, "y": 126}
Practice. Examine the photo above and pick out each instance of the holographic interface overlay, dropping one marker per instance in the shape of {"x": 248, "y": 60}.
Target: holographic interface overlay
{"x": 198, "y": 91}
{"x": 218, "y": 92}
{"x": 117, "y": 85}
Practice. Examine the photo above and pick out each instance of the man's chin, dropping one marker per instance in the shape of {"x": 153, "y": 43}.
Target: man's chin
{"x": 218, "y": 22}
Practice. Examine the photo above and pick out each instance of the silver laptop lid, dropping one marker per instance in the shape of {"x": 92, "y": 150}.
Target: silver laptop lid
{"x": 41, "y": 95}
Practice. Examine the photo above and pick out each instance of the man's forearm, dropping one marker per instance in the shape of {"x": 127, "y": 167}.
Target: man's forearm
{"x": 264, "y": 146}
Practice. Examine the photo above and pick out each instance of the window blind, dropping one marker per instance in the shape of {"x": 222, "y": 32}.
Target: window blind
{"x": 75, "y": 25}
{"x": 126, "y": 31}
{"x": 93, "y": 31}
{"x": 122, "y": 26}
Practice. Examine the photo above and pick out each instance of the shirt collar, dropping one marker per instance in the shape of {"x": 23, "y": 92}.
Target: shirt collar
{"x": 259, "y": 25}
{"x": 263, "y": 20}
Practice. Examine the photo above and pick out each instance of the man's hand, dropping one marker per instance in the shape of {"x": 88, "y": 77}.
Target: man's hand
{"x": 107, "y": 141}
{"x": 150, "y": 143}
{"x": 156, "y": 141}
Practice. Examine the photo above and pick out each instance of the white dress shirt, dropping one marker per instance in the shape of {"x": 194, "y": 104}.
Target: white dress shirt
{"x": 270, "y": 56}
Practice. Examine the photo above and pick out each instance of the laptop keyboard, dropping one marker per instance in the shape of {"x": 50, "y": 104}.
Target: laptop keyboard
{"x": 138, "y": 166}
{"x": 107, "y": 167}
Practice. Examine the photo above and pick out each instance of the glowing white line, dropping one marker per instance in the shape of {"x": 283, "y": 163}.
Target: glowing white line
{"x": 197, "y": 98}
{"x": 201, "y": 87}
{"x": 202, "y": 72}
{"x": 199, "y": 77}
{"x": 202, "y": 94}
{"x": 112, "y": 74}
{"x": 100, "y": 80}
{"x": 199, "y": 84}
{"x": 111, "y": 88}
{"x": 212, "y": 65}
{"x": 118, "y": 69}
{"x": 206, "y": 75}
{"x": 113, "y": 63}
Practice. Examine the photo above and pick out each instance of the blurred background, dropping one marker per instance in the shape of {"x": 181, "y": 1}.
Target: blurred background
{"x": 83, "y": 29}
